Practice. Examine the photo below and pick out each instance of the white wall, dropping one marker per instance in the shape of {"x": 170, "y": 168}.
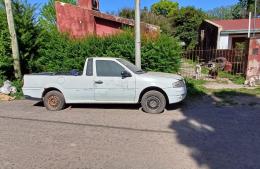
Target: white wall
{"x": 223, "y": 42}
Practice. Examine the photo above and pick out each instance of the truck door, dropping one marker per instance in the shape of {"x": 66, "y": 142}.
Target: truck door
{"x": 109, "y": 84}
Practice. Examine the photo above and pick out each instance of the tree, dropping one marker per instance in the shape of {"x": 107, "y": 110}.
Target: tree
{"x": 237, "y": 11}
{"x": 28, "y": 33}
{"x": 149, "y": 17}
{"x": 225, "y": 12}
{"x": 127, "y": 13}
{"x": 166, "y": 8}
{"x": 47, "y": 17}
{"x": 247, "y": 6}
{"x": 28, "y": 36}
{"x": 6, "y": 61}
{"x": 159, "y": 20}
{"x": 186, "y": 24}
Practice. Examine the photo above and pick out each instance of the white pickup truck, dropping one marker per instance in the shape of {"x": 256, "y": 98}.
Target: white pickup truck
{"x": 106, "y": 80}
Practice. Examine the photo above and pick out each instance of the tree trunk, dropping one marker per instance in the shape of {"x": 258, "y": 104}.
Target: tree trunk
{"x": 14, "y": 42}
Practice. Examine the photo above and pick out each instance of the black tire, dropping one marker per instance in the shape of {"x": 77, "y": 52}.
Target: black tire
{"x": 153, "y": 102}
{"x": 54, "y": 101}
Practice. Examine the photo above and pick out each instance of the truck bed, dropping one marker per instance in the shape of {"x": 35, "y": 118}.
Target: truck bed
{"x": 70, "y": 73}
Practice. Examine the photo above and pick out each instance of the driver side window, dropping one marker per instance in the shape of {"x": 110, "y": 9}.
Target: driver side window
{"x": 108, "y": 68}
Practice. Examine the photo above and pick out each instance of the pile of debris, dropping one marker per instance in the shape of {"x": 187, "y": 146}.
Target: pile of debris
{"x": 6, "y": 90}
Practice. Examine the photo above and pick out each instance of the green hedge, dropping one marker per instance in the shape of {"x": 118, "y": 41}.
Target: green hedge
{"x": 60, "y": 53}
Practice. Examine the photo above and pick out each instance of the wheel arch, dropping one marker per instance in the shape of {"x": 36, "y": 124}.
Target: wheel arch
{"x": 46, "y": 90}
{"x": 156, "y": 89}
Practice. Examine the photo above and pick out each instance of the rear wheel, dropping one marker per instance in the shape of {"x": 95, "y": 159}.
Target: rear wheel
{"x": 54, "y": 101}
{"x": 153, "y": 102}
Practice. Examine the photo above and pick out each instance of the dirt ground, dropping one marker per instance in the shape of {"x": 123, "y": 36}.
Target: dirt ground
{"x": 199, "y": 133}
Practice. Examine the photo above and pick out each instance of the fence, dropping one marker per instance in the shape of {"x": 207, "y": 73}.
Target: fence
{"x": 232, "y": 61}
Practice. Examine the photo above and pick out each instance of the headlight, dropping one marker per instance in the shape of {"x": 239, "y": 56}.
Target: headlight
{"x": 179, "y": 83}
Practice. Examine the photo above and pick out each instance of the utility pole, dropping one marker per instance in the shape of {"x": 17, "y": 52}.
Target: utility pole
{"x": 255, "y": 18}
{"x": 137, "y": 34}
{"x": 14, "y": 43}
{"x": 249, "y": 25}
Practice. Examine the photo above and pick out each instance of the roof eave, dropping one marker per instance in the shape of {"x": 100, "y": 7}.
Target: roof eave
{"x": 213, "y": 23}
{"x": 227, "y": 32}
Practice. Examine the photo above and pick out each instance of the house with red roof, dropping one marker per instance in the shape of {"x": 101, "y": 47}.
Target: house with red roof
{"x": 227, "y": 34}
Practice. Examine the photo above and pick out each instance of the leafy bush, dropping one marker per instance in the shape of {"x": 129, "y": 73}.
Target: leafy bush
{"x": 18, "y": 84}
{"x": 162, "y": 54}
{"x": 60, "y": 53}
{"x": 1, "y": 81}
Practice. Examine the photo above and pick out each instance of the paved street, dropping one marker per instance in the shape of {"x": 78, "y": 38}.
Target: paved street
{"x": 191, "y": 135}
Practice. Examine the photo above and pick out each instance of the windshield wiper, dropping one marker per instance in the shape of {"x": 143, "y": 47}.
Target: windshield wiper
{"x": 140, "y": 71}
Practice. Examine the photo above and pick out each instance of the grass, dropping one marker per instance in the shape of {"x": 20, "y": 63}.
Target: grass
{"x": 237, "y": 92}
{"x": 223, "y": 97}
{"x": 191, "y": 62}
{"x": 231, "y": 97}
{"x": 237, "y": 79}
{"x": 195, "y": 87}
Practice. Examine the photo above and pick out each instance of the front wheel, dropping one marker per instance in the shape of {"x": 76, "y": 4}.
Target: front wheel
{"x": 54, "y": 101}
{"x": 153, "y": 102}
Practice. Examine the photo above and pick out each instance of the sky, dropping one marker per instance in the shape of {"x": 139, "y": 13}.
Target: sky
{"x": 116, "y": 5}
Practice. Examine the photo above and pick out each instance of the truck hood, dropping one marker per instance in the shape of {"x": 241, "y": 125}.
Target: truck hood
{"x": 159, "y": 75}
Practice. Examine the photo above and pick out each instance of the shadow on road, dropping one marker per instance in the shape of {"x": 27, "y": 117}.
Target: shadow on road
{"x": 221, "y": 136}
{"x": 106, "y": 106}
{"x": 112, "y": 106}
{"x": 99, "y": 106}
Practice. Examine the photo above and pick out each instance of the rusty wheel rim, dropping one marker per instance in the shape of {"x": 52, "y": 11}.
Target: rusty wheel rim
{"x": 53, "y": 101}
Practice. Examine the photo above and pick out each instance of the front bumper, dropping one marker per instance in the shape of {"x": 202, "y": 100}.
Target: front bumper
{"x": 176, "y": 95}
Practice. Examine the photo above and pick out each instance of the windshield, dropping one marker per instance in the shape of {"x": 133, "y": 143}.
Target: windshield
{"x": 131, "y": 66}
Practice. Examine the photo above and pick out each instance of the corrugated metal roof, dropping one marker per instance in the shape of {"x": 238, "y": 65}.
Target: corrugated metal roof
{"x": 236, "y": 24}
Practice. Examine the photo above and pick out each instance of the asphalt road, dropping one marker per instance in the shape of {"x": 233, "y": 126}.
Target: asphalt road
{"x": 193, "y": 135}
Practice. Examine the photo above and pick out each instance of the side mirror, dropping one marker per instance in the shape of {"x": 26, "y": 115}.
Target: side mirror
{"x": 125, "y": 74}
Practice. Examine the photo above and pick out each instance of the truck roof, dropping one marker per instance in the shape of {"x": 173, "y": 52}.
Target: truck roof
{"x": 105, "y": 58}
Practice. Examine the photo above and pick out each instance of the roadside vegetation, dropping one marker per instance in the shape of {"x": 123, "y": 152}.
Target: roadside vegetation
{"x": 43, "y": 48}
{"x": 236, "y": 79}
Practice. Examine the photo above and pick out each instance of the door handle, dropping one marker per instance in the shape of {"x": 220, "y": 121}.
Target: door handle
{"x": 99, "y": 82}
